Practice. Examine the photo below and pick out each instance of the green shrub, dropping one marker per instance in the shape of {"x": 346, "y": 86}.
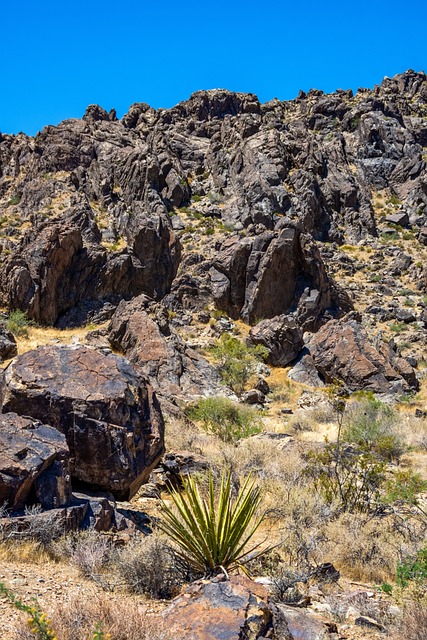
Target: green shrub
{"x": 351, "y": 478}
{"x": 413, "y": 569}
{"x": 371, "y": 425}
{"x": 236, "y": 361}
{"x": 18, "y": 323}
{"x": 212, "y": 533}
{"x": 229, "y": 420}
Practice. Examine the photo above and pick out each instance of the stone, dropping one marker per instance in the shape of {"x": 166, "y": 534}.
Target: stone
{"x": 400, "y": 219}
{"x": 8, "y": 346}
{"x": 341, "y": 350}
{"x": 221, "y": 610}
{"x": 34, "y": 464}
{"x": 365, "y": 621}
{"x": 281, "y": 336}
{"x": 253, "y": 396}
{"x": 107, "y": 411}
{"x": 141, "y": 330}
{"x": 301, "y": 625}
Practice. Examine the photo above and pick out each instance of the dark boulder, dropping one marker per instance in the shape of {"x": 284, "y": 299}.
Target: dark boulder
{"x": 282, "y": 337}
{"x": 140, "y": 330}
{"x": 107, "y": 411}
{"x": 342, "y": 350}
{"x": 34, "y": 464}
{"x": 8, "y": 346}
{"x": 274, "y": 273}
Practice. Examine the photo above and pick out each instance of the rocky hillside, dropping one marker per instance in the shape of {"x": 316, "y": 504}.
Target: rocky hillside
{"x": 259, "y": 210}
{"x": 154, "y": 261}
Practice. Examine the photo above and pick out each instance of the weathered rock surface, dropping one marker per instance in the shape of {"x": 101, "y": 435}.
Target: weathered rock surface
{"x": 342, "y": 350}
{"x": 34, "y": 464}
{"x": 8, "y": 346}
{"x": 107, "y": 411}
{"x": 210, "y": 610}
{"x": 272, "y": 274}
{"x": 281, "y": 336}
{"x": 140, "y": 330}
{"x": 297, "y": 624}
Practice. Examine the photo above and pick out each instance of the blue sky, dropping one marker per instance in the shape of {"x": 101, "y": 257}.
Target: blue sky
{"x": 58, "y": 57}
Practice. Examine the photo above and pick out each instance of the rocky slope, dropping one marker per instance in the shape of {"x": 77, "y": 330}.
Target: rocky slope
{"x": 223, "y": 201}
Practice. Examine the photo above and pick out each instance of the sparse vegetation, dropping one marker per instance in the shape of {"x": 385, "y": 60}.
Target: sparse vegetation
{"x": 18, "y": 323}
{"x": 225, "y": 418}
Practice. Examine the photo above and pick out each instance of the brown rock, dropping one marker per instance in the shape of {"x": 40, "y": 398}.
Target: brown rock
{"x": 281, "y": 336}
{"x": 225, "y": 610}
{"x": 341, "y": 350}
{"x": 34, "y": 460}
{"x": 108, "y": 413}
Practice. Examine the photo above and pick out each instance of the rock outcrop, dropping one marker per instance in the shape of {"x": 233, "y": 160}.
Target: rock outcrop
{"x": 140, "y": 329}
{"x": 107, "y": 411}
{"x": 34, "y": 464}
{"x": 281, "y": 336}
{"x": 342, "y": 350}
{"x": 8, "y": 346}
{"x": 272, "y": 274}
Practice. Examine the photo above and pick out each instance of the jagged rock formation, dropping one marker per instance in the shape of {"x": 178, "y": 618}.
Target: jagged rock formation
{"x": 281, "y": 336}
{"x": 108, "y": 413}
{"x": 34, "y": 464}
{"x": 342, "y": 350}
{"x": 140, "y": 330}
{"x": 220, "y": 200}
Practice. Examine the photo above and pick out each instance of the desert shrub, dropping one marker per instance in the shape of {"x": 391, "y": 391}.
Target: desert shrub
{"x": 412, "y": 624}
{"x": 404, "y": 486}
{"x": 413, "y": 569}
{"x": 42, "y": 528}
{"x": 351, "y": 477}
{"x": 371, "y": 424}
{"x": 212, "y": 533}
{"x": 229, "y": 420}
{"x": 151, "y": 567}
{"x": 236, "y": 361}
{"x": 100, "y": 618}
{"x": 89, "y": 551}
{"x": 18, "y": 323}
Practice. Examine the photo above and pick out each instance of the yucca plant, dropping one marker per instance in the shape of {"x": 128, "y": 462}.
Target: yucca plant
{"x": 212, "y": 533}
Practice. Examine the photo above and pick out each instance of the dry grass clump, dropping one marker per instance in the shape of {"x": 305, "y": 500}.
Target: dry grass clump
{"x": 412, "y": 625}
{"x": 89, "y": 551}
{"x": 365, "y": 548}
{"x": 76, "y": 618}
{"x": 150, "y": 566}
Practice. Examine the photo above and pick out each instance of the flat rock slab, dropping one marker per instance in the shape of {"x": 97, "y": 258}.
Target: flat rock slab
{"x": 229, "y": 610}
{"x": 107, "y": 411}
{"x": 34, "y": 460}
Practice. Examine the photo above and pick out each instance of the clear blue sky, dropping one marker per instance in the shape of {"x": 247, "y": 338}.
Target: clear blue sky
{"x": 58, "y": 57}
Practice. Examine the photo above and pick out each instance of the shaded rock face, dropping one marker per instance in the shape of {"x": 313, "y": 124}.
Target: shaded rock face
{"x": 108, "y": 413}
{"x": 34, "y": 461}
{"x": 272, "y": 274}
{"x": 342, "y": 350}
{"x": 281, "y": 336}
{"x": 8, "y": 346}
{"x": 54, "y": 269}
{"x": 140, "y": 330}
{"x": 232, "y": 610}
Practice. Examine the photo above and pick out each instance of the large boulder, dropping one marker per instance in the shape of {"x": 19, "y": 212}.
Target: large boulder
{"x": 107, "y": 411}
{"x": 273, "y": 273}
{"x": 8, "y": 346}
{"x": 221, "y": 610}
{"x": 342, "y": 350}
{"x": 282, "y": 337}
{"x": 34, "y": 461}
{"x": 140, "y": 329}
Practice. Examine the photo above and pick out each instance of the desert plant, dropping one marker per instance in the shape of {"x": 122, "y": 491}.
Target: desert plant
{"x": 412, "y": 624}
{"x": 212, "y": 534}
{"x": 371, "y": 424}
{"x": 236, "y": 361}
{"x": 228, "y": 420}
{"x": 413, "y": 569}
{"x": 39, "y": 624}
{"x": 17, "y": 323}
{"x": 150, "y": 566}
